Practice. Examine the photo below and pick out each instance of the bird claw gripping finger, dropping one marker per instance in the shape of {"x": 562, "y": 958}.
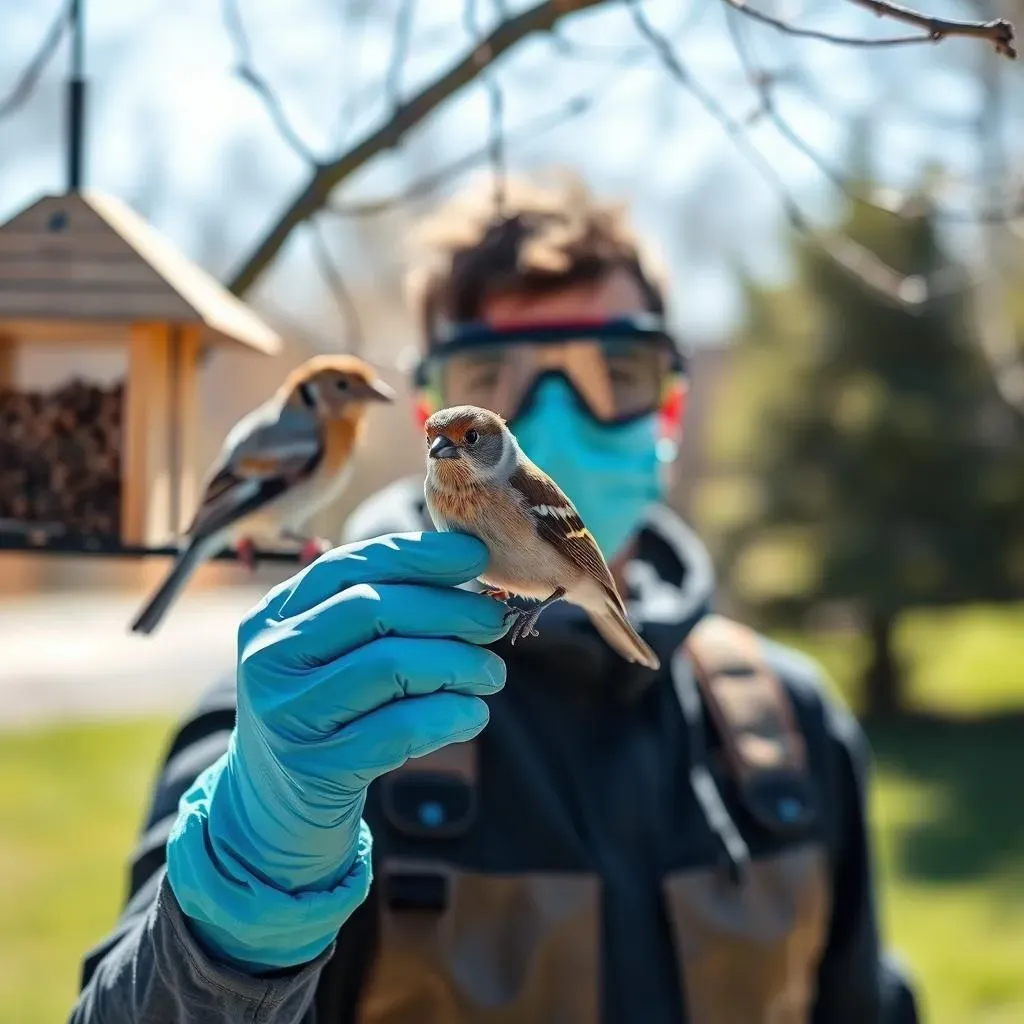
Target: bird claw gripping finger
{"x": 524, "y": 627}
{"x": 496, "y": 592}
{"x": 526, "y": 619}
{"x": 515, "y": 616}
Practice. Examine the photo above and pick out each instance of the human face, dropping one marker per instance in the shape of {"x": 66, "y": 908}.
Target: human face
{"x": 612, "y": 352}
{"x": 612, "y": 471}
{"x": 618, "y": 294}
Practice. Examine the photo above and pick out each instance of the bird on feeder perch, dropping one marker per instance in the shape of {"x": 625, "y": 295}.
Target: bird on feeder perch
{"x": 279, "y": 466}
{"x": 83, "y": 277}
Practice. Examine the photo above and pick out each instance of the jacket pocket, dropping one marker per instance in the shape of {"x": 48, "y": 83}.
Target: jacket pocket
{"x": 748, "y": 953}
{"x": 465, "y": 947}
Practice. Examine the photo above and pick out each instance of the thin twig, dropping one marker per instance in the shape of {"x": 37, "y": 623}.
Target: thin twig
{"x": 429, "y": 183}
{"x": 313, "y": 196}
{"x": 762, "y": 82}
{"x": 821, "y": 36}
{"x": 26, "y": 82}
{"x": 232, "y": 18}
{"x": 602, "y": 52}
{"x": 399, "y": 52}
{"x": 998, "y": 32}
{"x": 859, "y": 261}
{"x": 574, "y": 107}
{"x": 496, "y": 102}
{"x": 335, "y": 282}
{"x": 354, "y": 35}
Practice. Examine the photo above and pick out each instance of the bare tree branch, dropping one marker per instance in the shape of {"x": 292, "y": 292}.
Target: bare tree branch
{"x": 321, "y": 251}
{"x": 353, "y": 42}
{"x": 245, "y": 70}
{"x": 602, "y": 52}
{"x": 762, "y": 82}
{"x": 543, "y": 16}
{"x": 327, "y": 176}
{"x": 824, "y": 37}
{"x": 496, "y": 131}
{"x": 429, "y": 183}
{"x": 996, "y": 336}
{"x": 574, "y": 107}
{"x": 856, "y": 259}
{"x": 399, "y": 52}
{"x": 27, "y": 81}
{"x": 998, "y": 32}
{"x": 889, "y": 200}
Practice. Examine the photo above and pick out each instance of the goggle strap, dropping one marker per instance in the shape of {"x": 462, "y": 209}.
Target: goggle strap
{"x": 449, "y": 334}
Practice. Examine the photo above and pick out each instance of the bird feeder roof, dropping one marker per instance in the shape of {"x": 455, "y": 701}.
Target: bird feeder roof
{"x": 88, "y": 257}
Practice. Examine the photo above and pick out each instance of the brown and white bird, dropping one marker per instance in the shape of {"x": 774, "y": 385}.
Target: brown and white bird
{"x": 279, "y": 465}
{"x": 480, "y": 482}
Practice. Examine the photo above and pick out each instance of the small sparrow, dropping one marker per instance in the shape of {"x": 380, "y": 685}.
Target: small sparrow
{"x": 480, "y": 482}
{"x": 278, "y": 467}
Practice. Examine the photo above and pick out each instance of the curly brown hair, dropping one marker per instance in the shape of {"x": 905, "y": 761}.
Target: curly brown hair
{"x": 548, "y": 236}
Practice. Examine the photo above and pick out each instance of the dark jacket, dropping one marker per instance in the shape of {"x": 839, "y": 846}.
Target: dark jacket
{"x": 577, "y": 873}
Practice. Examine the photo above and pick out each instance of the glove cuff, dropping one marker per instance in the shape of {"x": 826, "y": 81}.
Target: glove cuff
{"x": 238, "y": 915}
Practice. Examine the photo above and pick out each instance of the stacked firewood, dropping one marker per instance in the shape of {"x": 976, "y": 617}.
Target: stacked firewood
{"x": 60, "y": 458}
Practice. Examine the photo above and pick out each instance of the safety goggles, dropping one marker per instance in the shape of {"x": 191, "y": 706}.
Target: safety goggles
{"x": 619, "y": 369}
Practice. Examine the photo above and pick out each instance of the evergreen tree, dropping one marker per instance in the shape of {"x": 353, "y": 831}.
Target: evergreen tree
{"x": 885, "y": 448}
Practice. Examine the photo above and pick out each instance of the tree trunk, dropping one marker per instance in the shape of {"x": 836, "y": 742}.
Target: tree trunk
{"x": 883, "y": 680}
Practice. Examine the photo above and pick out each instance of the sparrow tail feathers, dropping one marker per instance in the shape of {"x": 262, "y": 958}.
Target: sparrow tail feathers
{"x": 612, "y": 624}
{"x": 165, "y": 595}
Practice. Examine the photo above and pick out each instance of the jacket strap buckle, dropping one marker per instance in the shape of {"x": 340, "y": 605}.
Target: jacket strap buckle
{"x": 434, "y": 796}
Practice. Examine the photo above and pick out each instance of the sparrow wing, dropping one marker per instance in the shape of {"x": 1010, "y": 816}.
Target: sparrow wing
{"x": 267, "y": 452}
{"x": 558, "y": 522}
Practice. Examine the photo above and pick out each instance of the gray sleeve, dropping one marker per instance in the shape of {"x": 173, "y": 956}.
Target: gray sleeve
{"x": 150, "y": 969}
{"x": 156, "y": 973}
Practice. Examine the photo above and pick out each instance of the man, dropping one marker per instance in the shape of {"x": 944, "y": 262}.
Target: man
{"x": 594, "y": 841}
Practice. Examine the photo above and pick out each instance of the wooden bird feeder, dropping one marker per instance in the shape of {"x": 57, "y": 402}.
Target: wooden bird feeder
{"x": 83, "y": 271}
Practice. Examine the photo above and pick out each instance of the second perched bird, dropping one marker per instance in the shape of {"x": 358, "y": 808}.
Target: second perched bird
{"x": 279, "y": 465}
{"x": 480, "y": 482}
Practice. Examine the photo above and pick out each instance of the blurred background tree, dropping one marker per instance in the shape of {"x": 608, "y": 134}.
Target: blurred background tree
{"x": 885, "y": 471}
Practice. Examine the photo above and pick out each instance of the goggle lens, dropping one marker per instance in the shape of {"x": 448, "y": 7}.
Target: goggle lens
{"x": 616, "y": 378}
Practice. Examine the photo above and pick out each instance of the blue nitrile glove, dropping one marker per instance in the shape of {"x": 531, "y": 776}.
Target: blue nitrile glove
{"x": 365, "y": 658}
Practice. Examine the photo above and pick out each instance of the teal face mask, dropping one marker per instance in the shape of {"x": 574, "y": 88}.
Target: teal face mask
{"x": 611, "y": 473}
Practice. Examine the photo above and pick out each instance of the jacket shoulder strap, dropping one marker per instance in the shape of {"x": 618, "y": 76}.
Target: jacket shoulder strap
{"x": 433, "y": 796}
{"x": 761, "y": 738}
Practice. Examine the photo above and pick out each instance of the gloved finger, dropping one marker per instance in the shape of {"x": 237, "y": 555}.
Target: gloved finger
{"x": 438, "y": 559}
{"x": 387, "y": 670}
{"x": 385, "y": 739}
{"x": 364, "y": 613}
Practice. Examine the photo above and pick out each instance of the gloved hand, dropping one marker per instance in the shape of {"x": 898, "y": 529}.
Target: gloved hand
{"x": 364, "y": 659}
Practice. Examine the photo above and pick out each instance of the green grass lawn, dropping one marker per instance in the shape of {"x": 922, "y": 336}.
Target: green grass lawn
{"x": 946, "y": 810}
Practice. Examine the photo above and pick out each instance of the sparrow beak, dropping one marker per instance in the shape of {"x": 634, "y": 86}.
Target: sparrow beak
{"x": 443, "y": 448}
{"x": 378, "y": 391}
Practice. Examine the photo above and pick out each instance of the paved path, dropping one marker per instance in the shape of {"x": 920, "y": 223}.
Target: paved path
{"x": 70, "y": 656}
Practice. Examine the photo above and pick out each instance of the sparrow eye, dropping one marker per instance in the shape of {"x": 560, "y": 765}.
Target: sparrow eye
{"x": 472, "y": 437}
{"x": 341, "y": 384}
